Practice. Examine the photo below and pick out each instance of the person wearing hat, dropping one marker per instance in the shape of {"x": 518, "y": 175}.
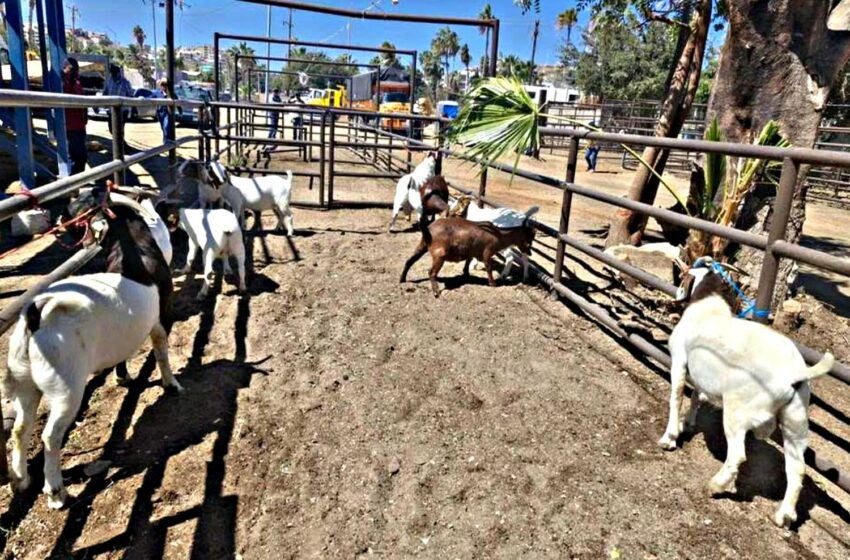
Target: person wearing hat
{"x": 75, "y": 119}
{"x": 117, "y": 85}
{"x": 274, "y": 115}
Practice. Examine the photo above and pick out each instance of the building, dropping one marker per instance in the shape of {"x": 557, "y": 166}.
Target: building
{"x": 202, "y": 54}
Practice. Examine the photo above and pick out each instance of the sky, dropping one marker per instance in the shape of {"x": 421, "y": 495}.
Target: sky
{"x": 197, "y": 22}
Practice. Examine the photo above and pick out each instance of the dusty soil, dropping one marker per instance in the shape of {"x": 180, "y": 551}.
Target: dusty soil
{"x": 334, "y": 412}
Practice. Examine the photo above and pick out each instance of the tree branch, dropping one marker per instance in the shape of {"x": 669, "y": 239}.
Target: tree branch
{"x": 649, "y": 15}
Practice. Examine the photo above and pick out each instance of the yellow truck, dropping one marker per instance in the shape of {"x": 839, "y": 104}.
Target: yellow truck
{"x": 337, "y": 98}
{"x": 390, "y": 94}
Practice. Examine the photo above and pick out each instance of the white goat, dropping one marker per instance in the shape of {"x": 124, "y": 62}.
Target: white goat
{"x": 196, "y": 172}
{"x": 271, "y": 192}
{"x": 215, "y": 232}
{"x": 407, "y": 197}
{"x": 73, "y": 328}
{"x": 755, "y": 372}
{"x": 504, "y": 218}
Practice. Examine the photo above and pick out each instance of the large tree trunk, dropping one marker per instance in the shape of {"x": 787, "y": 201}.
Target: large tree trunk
{"x": 628, "y": 226}
{"x": 778, "y": 63}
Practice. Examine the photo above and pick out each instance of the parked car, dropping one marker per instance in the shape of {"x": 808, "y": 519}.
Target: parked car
{"x": 143, "y": 112}
{"x": 101, "y": 112}
{"x": 190, "y": 115}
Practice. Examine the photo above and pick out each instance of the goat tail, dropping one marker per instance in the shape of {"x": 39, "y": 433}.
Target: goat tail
{"x": 821, "y": 368}
{"x": 289, "y": 176}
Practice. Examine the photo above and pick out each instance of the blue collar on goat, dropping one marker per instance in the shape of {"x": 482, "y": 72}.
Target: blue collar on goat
{"x": 705, "y": 265}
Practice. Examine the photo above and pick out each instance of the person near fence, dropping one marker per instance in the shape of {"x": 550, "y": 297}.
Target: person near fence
{"x": 274, "y": 116}
{"x": 75, "y": 119}
{"x": 117, "y": 85}
{"x": 165, "y": 118}
{"x": 591, "y": 152}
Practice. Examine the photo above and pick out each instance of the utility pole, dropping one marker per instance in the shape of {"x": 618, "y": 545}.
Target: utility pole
{"x": 155, "y": 57}
{"x": 75, "y": 11}
{"x": 534, "y": 47}
{"x": 290, "y": 35}
{"x": 269, "y": 46}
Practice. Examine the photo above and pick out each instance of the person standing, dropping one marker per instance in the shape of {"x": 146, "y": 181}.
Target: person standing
{"x": 274, "y": 116}
{"x": 75, "y": 119}
{"x": 165, "y": 118}
{"x": 117, "y": 85}
{"x": 590, "y": 155}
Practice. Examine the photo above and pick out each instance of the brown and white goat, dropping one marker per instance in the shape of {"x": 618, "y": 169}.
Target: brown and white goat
{"x": 457, "y": 240}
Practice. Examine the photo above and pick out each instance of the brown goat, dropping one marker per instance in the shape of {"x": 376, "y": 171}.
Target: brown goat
{"x": 457, "y": 239}
{"x": 434, "y": 194}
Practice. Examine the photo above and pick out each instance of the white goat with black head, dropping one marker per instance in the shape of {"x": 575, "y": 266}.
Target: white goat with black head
{"x": 754, "y": 372}
{"x": 83, "y": 325}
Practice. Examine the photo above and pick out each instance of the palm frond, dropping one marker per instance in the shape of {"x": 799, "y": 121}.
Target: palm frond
{"x": 714, "y": 173}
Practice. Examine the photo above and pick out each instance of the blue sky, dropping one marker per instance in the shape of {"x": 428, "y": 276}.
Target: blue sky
{"x": 196, "y": 24}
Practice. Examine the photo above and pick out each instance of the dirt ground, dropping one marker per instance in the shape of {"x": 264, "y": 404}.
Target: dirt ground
{"x": 333, "y": 412}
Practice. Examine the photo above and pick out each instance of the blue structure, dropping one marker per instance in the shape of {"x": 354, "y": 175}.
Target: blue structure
{"x": 19, "y": 120}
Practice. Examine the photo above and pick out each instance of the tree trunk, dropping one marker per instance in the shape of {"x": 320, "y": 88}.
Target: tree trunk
{"x": 628, "y": 226}
{"x": 778, "y": 63}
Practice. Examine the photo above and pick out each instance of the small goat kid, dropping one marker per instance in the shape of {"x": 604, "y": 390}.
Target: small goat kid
{"x": 258, "y": 194}
{"x": 215, "y": 232}
{"x": 457, "y": 239}
{"x": 407, "y": 196}
{"x": 756, "y": 373}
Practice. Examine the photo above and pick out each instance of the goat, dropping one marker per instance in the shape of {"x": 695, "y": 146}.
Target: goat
{"x": 457, "y": 239}
{"x": 136, "y": 243}
{"x": 215, "y": 232}
{"x": 407, "y": 196}
{"x": 504, "y": 218}
{"x": 434, "y": 194}
{"x": 755, "y": 372}
{"x": 197, "y": 173}
{"x": 258, "y": 194}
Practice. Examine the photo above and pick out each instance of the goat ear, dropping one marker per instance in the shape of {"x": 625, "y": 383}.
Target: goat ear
{"x": 683, "y": 292}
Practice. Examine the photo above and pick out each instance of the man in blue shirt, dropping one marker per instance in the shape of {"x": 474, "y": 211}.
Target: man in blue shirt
{"x": 117, "y": 85}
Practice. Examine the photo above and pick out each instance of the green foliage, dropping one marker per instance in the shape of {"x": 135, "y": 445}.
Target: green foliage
{"x": 714, "y": 173}
{"x": 446, "y": 44}
{"x": 306, "y": 64}
{"x": 527, "y": 5}
{"x": 567, "y": 20}
{"x": 432, "y": 70}
{"x": 498, "y": 116}
{"x": 511, "y": 65}
{"x": 624, "y": 60}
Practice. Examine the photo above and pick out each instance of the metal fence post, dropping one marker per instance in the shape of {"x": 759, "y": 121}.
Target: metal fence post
{"x": 331, "y": 165}
{"x": 117, "y": 116}
{"x": 566, "y": 207}
{"x": 321, "y": 155}
{"x": 778, "y": 229}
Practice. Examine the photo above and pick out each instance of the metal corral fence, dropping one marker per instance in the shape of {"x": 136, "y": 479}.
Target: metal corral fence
{"x": 390, "y": 153}
{"x": 67, "y": 186}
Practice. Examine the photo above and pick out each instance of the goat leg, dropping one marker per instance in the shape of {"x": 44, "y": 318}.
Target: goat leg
{"x": 121, "y": 373}
{"x": 420, "y": 250}
{"x": 466, "y": 267}
{"x": 435, "y": 270}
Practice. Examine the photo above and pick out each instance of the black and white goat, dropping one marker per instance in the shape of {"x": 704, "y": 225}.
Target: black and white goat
{"x": 754, "y": 372}
{"x": 79, "y": 326}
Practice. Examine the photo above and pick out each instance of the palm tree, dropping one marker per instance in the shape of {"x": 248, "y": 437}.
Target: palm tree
{"x": 139, "y": 35}
{"x": 566, "y": 20}
{"x": 465, "y": 59}
{"x": 486, "y": 14}
{"x": 388, "y": 59}
{"x": 31, "y": 30}
{"x": 446, "y": 44}
{"x": 432, "y": 70}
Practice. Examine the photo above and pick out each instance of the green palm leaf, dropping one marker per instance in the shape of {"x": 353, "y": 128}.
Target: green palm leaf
{"x": 714, "y": 173}
{"x": 499, "y": 117}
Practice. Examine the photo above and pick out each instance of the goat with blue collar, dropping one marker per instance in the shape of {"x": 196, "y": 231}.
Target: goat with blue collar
{"x": 754, "y": 372}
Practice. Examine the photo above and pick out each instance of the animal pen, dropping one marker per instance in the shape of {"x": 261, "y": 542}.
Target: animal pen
{"x": 325, "y": 133}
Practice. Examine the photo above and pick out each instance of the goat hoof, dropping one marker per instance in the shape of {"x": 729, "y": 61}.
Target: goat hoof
{"x": 667, "y": 442}
{"x": 56, "y": 498}
{"x": 174, "y": 387}
{"x": 717, "y": 489}
{"x": 123, "y": 381}
{"x": 20, "y": 484}
{"x": 784, "y": 517}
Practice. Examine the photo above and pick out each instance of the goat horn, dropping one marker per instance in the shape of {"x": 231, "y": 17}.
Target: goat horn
{"x": 732, "y": 267}
{"x": 680, "y": 264}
